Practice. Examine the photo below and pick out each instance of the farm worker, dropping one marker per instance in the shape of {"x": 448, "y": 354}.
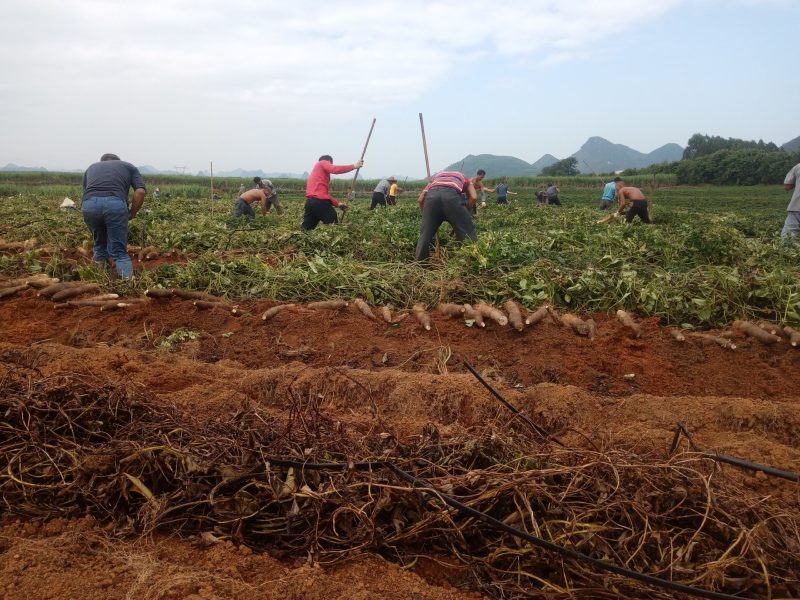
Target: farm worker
{"x": 320, "y": 205}
{"x": 477, "y": 181}
{"x": 503, "y": 193}
{"x": 157, "y": 194}
{"x": 381, "y": 191}
{"x": 609, "y": 192}
{"x": 449, "y": 196}
{"x": 552, "y": 194}
{"x": 637, "y": 200}
{"x": 272, "y": 197}
{"x": 243, "y": 203}
{"x": 541, "y": 197}
{"x": 391, "y": 199}
{"x": 105, "y": 211}
{"x": 791, "y": 226}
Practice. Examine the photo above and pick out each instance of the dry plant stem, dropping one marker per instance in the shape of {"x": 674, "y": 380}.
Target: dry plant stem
{"x": 451, "y": 310}
{"x": 328, "y": 305}
{"x": 72, "y": 292}
{"x": 271, "y": 312}
{"x": 536, "y": 316}
{"x": 626, "y": 319}
{"x": 422, "y": 316}
{"x": 490, "y": 312}
{"x": 794, "y": 336}
{"x": 756, "y": 332}
{"x": 364, "y": 308}
{"x": 514, "y": 315}
{"x": 470, "y": 314}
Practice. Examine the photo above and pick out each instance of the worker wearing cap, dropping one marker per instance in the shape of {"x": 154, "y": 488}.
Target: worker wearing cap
{"x": 394, "y": 189}
{"x": 381, "y": 191}
{"x": 791, "y": 226}
{"x": 272, "y": 196}
{"x": 444, "y": 199}
{"x": 320, "y": 205}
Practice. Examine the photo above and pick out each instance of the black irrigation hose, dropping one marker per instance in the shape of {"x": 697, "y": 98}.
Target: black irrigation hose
{"x": 496, "y": 523}
{"x": 731, "y": 460}
{"x": 538, "y": 429}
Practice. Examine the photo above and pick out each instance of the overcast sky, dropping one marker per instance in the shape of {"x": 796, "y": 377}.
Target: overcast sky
{"x": 270, "y": 85}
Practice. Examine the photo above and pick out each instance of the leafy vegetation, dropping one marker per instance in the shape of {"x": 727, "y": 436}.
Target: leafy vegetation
{"x": 712, "y": 255}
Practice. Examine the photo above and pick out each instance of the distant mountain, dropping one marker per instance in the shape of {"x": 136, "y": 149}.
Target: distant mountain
{"x": 495, "y": 166}
{"x": 601, "y": 156}
{"x": 12, "y": 168}
{"x": 792, "y": 146}
{"x": 544, "y": 161}
{"x": 249, "y": 174}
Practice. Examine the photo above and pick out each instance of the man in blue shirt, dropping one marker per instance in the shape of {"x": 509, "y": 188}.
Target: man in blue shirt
{"x": 609, "y": 192}
{"x": 105, "y": 209}
{"x": 503, "y": 193}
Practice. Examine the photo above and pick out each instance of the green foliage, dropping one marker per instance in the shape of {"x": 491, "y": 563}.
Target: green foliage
{"x": 703, "y": 145}
{"x": 712, "y": 255}
{"x": 567, "y": 167}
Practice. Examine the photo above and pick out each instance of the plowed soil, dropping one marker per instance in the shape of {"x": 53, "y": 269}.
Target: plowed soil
{"x": 397, "y": 379}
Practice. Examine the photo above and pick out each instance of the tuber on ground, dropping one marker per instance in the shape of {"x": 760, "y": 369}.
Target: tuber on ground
{"x": 386, "y": 313}
{"x": 104, "y": 297}
{"x": 554, "y": 316}
{"x": 422, "y": 316}
{"x": 271, "y": 312}
{"x": 10, "y": 291}
{"x": 238, "y": 312}
{"x": 720, "y": 341}
{"x": 48, "y": 291}
{"x": 399, "y": 318}
{"x": 490, "y": 312}
{"x": 678, "y": 335}
{"x": 72, "y": 292}
{"x": 328, "y": 305}
{"x": 451, "y": 310}
{"x": 145, "y": 252}
{"x": 756, "y": 332}
{"x": 41, "y": 282}
{"x": 114, "y": 305}
{"x": 536, "y": 316}
{"x": 470, "y": 314}
{"x": 514, "y": 315}
{"x": 578, "y": 325}
{"x": 794, "y": 336}
{"x": 158, "y": 293}
{"x": 208, "y": 304}
{"x": 626, "y": 319}
{"x": 772, "y": 328}
{"x": 364, "y": 308}
{"x": 193, "y": 295}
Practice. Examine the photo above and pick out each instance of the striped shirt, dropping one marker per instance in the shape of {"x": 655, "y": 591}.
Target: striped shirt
{"x": 452, "y": 179}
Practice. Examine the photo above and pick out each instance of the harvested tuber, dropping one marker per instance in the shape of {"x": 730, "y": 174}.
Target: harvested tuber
{"x": 794, "y": 336}
{"x": 158, "y": 293}
{"x": 536, "y": 316}
{"x": 451, "y": 310}
{"x": 10, "y": 291}
{"x": 514, "y": 315}
{"x": 105, "y": 297}
{"x": 271, "y": 312}
{"x": 422, "y": 316}
{"x": 209, "y": 304}
{"x": 193, "y": 295}
{"x": 554, "y": 316}
{"x": 678, "y": 335}
{"x": 756, "y": 332}
{"x": 490, "y": 312}
{"x": 715, "y": 339}
{"x": 771, "y": 328}
{"x": 114, "y": 305}
{"x": 578, "y": 325}
{"x": 57, "y": 287}
{"x": 470, "y": 314}
{"x": 328, "y": 305}
{"x": 626, "y": 319}
{"x": 386, "y": 313}
{"x": 364, "y": 308}
{"x": 72, "y": 292}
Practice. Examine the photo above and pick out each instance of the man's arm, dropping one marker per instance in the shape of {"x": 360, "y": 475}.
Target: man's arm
{"x": 421, "y": 199}
{"x": 788, "y": 187}
{"x": 136, "y": 204}
{"x": 339, "y": 169}
{"x": 472, "y": 196}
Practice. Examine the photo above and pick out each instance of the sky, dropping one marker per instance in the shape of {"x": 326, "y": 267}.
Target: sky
{"x": 259, "y": 84}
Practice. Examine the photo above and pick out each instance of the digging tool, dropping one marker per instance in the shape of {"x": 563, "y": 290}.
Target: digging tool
{"x": 352, "y": 193}
{"x": 594, "y": 172}
{"x": 613, "y": 215}
{"x": 427, "y": 168}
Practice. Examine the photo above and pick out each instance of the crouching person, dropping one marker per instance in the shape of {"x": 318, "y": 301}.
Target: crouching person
{"x": 104, "y": 207}
{"x": 449, "y": 196}
{"x": 243, "y": 205}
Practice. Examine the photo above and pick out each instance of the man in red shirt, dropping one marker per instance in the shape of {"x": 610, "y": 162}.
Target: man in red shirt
{"x": 320, "y": 205}
{"x": 450, "y": 196}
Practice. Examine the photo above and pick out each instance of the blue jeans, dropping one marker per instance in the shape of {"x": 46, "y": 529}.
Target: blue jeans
{"x": 107, "y": 219}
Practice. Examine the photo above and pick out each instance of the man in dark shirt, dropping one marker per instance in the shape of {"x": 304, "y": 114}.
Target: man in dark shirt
{"x": 105, "y": 209}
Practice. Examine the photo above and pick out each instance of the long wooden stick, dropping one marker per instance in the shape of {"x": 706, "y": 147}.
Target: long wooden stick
{"x": 363, "y": 154}
{"x": 425, "y": 146}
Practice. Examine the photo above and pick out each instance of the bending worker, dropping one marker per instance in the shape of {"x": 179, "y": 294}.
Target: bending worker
{"x": 637, "y": 199}
{"x": 320, "y": 205}
{"x": 450, "y": 196}
{"x": 609, "y": 192}
{"x": 382, "y": 191}
{"x": 246, "y": 199}
{"x": 272, "y": 197}
{"x": 791, "y": 226}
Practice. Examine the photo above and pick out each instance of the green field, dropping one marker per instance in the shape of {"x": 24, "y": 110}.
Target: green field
{"x": 712, "y": 255}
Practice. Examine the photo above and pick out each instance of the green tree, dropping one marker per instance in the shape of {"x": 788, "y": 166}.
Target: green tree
{"x": 565, "y": 167}
{"x": 703, "y": 145}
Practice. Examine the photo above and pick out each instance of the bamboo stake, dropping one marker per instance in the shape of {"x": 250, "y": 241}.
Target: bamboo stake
{"x": 363, "y": 154}
{"x": 428, "y": 170}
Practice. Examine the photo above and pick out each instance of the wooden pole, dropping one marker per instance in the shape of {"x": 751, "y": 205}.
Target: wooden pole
{"x": 211, "y": 170}
{"x": 363, "y": 154}
{"x": 425, "y": 146}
